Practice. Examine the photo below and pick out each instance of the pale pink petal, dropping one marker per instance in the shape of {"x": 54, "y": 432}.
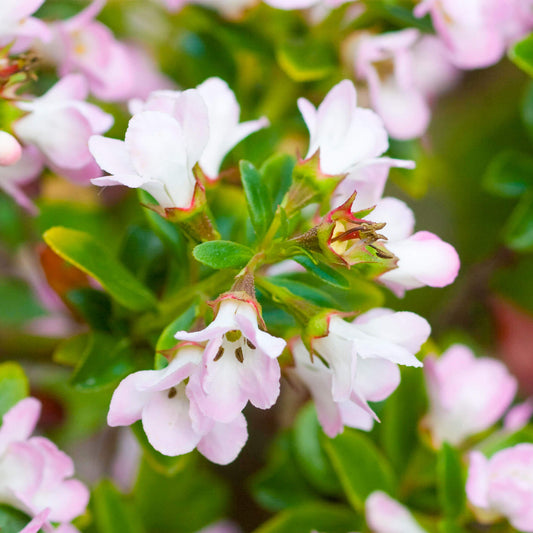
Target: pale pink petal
{"x": 19, "y": 9}
{"x": 376, "y": 379}
{"x": 477, "y": 483}
{"x": 112, "y": 155}
{"x": 67, "y": 500}
{"x": 37, "y": 522}
{"x": 19, "y": 422}
{"x": 10, "y": 149}
{"x": 71, "y": 87}
{"x": 270, "y": 345}
{"x": 397, "y": 215}
{"x": 518, "y": 416}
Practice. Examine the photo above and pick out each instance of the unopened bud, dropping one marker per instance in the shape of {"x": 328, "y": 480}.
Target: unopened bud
{"x": 10, "y": 150}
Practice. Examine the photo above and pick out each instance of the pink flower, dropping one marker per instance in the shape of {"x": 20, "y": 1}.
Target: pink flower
{"x": 10, "y": 150}
{"x": 239, "y": 362}
{"x": 16, "y": 24}
{"x": 159, "y": 152}
{"x": 170, "y": 417}
{"x": 518, "y": 416}
{"x": 302, "y": 4}
{"x": 503, "y": 486}
{"x": 385, "y": 515}
{"x": 33, "y": 472}
{"x": 423, "y": 258}
{"x": 467, "y": 394}
{"x": 346, "y": 135}
{"x": 60, "y": 123}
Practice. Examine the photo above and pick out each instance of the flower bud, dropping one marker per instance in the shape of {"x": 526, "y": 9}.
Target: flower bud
{"x": 10, "y": 150}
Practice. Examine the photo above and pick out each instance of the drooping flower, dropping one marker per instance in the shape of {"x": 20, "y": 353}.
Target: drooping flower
{"x": 10, "y": 149}
{"x": 385, "y": 515}
{"x": 503, "y": 486}
{"x": 467, "y": 394}
{"x": 59, "y": 124}
{"x": 239, "y": 362}
{"x": 159, "y": 151}
{"x": 170, "y": 417}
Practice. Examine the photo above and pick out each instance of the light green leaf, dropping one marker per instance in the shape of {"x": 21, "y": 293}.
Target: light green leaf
{"x": 522, "y": 54}
{"x": 222, "y": 254}
{"x": 323, "y": 271}
{"x": 276, "y": 174}
{"x": 13, "y": 386}
{"x": 307, "y": 59}
{"x": 86, "y": 253}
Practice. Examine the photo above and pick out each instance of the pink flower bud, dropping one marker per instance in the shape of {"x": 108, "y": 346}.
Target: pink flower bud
{"x": 10, "y": 150}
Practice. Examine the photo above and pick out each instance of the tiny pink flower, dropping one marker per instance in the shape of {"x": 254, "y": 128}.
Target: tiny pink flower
{"x": 385, "y": 515}
{"x": 347, "y": 136}
{"x": 159, "y": 151}
{"x": 60, "y": 123}
{"x": 503, "y": 486}
{"x": 170, "y": 418}
{"x": 10, "y": 149}
{"x": 467, "y": 394}
{"x": 239, "y": 362}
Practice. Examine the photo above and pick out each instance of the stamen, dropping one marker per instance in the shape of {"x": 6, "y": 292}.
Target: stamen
{"x": 250, "y": 344}
{"x": 172, "y": 392}
{"x": 219, "y": 354}
{"x": 239, "y": 355}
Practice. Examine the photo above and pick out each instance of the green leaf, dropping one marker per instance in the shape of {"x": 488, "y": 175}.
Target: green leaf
{"x": 502, "y": 439}
{"x": 276, "y": 174}
{"x": 12, "y": 520}
{"x": 86, "y": 253}
{"x": 310, "y": 454}
{"x": 223, "y": 254}
{"x": 509, "y": 174}
{"x": 361, "y": 467}
{"x": 450, "y": 526}
{"x": 94, "y": 306}
{"x": 112, "y": 513}
{"x": 281, "y": 484}
{"x": 70, "y": 351}
{"x": 323, "y": 271}
{"x": 105, "y": 360}
{"x": 522, "y": 54}
{"x": 304, "y": 290}
{"x": 13, "y": 386}
{"x": 317, "y": 516}
{"x": 518, "y": 231}
{"x": 307, "y": 59}
{"x": 18, "y": 303}
{"x": 451, "y": 482}
{"x": 257, "y": 197}
{"x": 527, "y": 110}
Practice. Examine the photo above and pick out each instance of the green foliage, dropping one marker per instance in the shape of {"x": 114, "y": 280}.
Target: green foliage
{"x": 222, "y": 254}
{"x": 11, "y": 520}
{"x": 18, "y": 303}
{"x": 13, "y": 386}
{"x": 510, "y": 174}
{"x": 86, "y": 253}
{"x": 94, "y": 306}
{"x": 522, "y": 54}
{"x": 323, "y": 271}
{"x": 257, "y": 197}
{"x": 451, "y": 481}
{"x": 518, "y": 230}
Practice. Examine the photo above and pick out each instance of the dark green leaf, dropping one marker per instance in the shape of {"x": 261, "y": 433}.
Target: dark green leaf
{"x": 95, "y": 307}
{"x": 522, "y": 54}
{"x": 304, "y": 290}
{"x": 451, "y": 482}
{"x": 323, "y": 271}
{"x": 276, "y": 174}
{"x": 361, "y": 467}
{"x": 257, "y": 197}
{"x": 518, "y": 231}
{"x": 105, "y": 360}
{"x": 223, "y": 254}
{"x": 13, "y": 386}
{"x": 318, "y": 516}
{"x": 307, "y": 59}
{"x": 70, "y": 351}
{"x": 11, "y": 520}
{"x": 527, "y": 109}
{"x": 86, "y": 253}
{"x": 18, "y": 303}
{"x": 112, "y": 512}
{"x": 509, "y": 174}
{"x": 310, "y": 454}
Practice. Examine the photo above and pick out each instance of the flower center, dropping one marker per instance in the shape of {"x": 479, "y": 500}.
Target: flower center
{"x": 234, "y": 341}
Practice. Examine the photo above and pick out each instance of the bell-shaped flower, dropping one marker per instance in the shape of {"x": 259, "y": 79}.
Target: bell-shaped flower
{"x": 60, "y": 123}
{"x": 385, "y": 515}
{"x": 467, "y": 394}
{"x": 15, "y": 176}
{"x": 170, "y": 418}
{"x": 503, "y": 486}
{"x": 345, "y": 135}
{"x": 34, "y": 474}
{"x": 374, "y": 380}
{"x": 239, "y": 362}
{"x": 159, "y": 151}
{"x": 378, "y": 336}
{"x": 423, "y": 258}
{"x": 17, "y": 25}
{"x": 10, "y": 149}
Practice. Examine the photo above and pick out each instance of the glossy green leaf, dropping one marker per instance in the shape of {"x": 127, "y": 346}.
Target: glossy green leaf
{"x": 13, "y": 386}
{"x": 518, "y": 231}
{"x": 112, "y": 512}
{"x": 522, "y": 54}
{"x": 509, "y": 174}
{"x": 86, "y": 253}
{"x": 323, "y": 271}
{"x": 451, "y": 482}
{"x": 276, "y": 174}
{"x": 307, "y": 59}
{"x": 361, "y": 467}
{"x": 318, "y": 516}
{"x": 257, "y": 197}
{"x": 223, "y": 254}
{"x": 304, "y": 290}
{"x": 310, "y": 454}
{"x": 104, "y": 361}
{"x": 12, "y": 520}
{"x": 93, "y": 305}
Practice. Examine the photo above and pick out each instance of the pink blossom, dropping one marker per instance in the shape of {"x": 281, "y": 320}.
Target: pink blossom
{"x": 239, "y": 362}
{"x": 17, "y": 25}
{"x": 60, "y": 123}
{"x": 423, "y": 258}
{"x": 467, "y": 394}
{"x": 503, "y": 486}
{"x": 302, "y": 4}
{"x": 346, "y": 135}
{"x": 10, "y": 149}
{"x": 159, "y": 151}
{"x": 170, "y": 417}
{"x": 518, "y": 416}
{"x": 34, "y": 474}
{"x": 385, "y": 515}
